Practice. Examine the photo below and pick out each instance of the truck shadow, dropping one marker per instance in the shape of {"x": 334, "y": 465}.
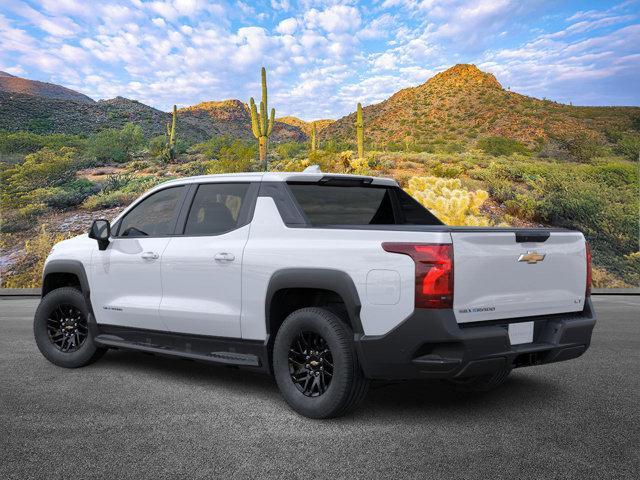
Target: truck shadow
{"x": 384, "y": 400}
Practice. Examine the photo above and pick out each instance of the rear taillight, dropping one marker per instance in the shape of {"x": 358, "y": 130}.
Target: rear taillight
{"x": 589, "y": 274}
{"x": 434, "y": 272}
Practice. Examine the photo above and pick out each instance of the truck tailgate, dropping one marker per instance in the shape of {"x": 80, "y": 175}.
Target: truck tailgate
{"x": 497, "y": 277}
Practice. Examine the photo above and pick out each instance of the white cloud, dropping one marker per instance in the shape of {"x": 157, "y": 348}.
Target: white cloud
{"x": 159, "y": 22}
{"x": 56, "y": 26}
{"x": 280, "y": 5}
{"x": 379, "y": 27}
{"x": 15, "y": 70}
{"x": 335, "y": 19}
{"x": 287, "y": 26}
{"x": 386, "y": 61}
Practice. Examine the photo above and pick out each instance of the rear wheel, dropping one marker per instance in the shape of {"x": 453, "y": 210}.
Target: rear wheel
{"x": 315, "y": 364}
{"x": 481, "y": 383}
{"x": 61, "y": 329}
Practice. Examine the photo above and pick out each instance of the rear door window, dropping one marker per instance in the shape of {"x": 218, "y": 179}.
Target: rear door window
{"x": 216, "y": 208}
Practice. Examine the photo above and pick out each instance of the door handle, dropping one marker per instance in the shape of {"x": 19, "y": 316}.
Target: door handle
{"x": 224, "y": 257}
{"x": 150, "y": 256}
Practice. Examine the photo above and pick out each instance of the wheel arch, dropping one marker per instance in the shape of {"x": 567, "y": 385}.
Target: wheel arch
{"x": 310, "y": 283}
{"x": 66, "y": 273}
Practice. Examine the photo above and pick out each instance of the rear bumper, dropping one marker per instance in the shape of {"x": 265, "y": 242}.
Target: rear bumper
{"x": 431, "y": 344}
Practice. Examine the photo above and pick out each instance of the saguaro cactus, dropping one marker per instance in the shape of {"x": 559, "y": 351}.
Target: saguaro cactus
{"x": 360, "y": 132}
{"x": 260, "y": 124}
{"x": 314, "y": 137}
{"x": 171, "y": 136}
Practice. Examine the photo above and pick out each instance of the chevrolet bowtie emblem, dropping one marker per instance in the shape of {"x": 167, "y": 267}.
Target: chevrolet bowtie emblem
{"x": 531, "y": 257}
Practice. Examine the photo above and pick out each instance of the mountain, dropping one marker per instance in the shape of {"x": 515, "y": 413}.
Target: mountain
{"x": 16, "y": 85}
{"x": 19, "y": 111}
{"x": 232, "y": 118}
{"x": 305, "y": 126}
{"x": 48, "y": 108}
{"x": 463, "y": 103}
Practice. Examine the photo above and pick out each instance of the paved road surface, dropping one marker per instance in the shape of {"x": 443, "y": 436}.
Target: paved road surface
{"x": 135, "y": 416}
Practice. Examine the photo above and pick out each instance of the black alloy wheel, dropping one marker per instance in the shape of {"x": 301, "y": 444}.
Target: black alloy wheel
{"x": 63, "y": 330}
{"x": 67, "y": 328}
{"x": 310, "y": 364}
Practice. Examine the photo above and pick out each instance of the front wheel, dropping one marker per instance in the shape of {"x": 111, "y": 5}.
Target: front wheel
{"x": 315, "y": 364}
{"x": 61, "y": 329}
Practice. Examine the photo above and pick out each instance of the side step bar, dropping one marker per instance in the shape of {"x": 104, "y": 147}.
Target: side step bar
{"x": 225, "y": 358}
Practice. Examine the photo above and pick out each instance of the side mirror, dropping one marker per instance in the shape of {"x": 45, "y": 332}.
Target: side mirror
{"x": 101, "y": 231}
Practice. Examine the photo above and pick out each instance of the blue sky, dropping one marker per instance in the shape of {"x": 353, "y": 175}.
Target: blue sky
{"x": 322, "y": 56}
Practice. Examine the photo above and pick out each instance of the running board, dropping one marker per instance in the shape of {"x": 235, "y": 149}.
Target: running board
{"x": 225, "y": 358}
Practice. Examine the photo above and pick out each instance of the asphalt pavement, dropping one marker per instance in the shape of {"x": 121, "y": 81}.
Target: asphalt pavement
{"x": 134, "y": 416}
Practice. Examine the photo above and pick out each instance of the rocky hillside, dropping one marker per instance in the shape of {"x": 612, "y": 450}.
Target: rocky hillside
{"x": 305, "y": 126}
{"x": 12, "y": 85}
{"x": 46, "y": 108}
{"x": 232, "y": 118}
{"x": 464, "y": 103}
{"x": 20, "y": 111}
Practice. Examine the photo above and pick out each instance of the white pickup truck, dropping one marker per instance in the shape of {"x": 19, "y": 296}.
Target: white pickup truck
{"x": 324, "y": 281}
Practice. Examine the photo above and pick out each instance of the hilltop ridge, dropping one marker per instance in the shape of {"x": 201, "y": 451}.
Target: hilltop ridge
{"x": 12, "y": 84}
{"x": 464, "y": 103}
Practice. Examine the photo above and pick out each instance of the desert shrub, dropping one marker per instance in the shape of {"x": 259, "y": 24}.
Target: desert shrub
{"x": 108, "y": 200}
{"x": 67, "y": 195}
{"x": 290, "y": 150}
{"x": 448, "y": 200}
{"x": 629, "y": 146}
{"x": 227, "y": 148}
{"x": 43, "y": 169}
{"x": 40, "y": 125}
{"x": 37, "y": 249}
{"x": 359, "y": 167}
{"x": 228, "y": 165}
{"x": 581, "y": 146}
{"x": 498, "y": 146}
{"x": 294, "y": 165}
{"x": 116, "y": 145}
{"x": 18, "y": 219}
{"x": 157, "y": 145}
{"x": 28, "y": 142}
{"x": 522, "y": 206}
{"x": 121, "y": 189}
{"x": 447, "y": 170}
{"x": 190, "y": 169}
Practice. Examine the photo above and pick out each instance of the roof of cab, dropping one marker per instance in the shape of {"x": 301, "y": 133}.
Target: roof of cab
{"x": 275, "y": 177}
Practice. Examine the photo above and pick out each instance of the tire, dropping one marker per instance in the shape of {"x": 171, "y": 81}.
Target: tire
{"x": 344, "y": 385}
{"x": 481, "y": 383}
{"x": 69, "y": 346}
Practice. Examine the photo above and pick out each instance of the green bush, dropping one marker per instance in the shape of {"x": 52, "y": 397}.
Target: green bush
{"x": 108, "y": 200}
{"x": 158, "y": 145}
{"x": 629, "y": 146}
{"x": 28, "y": 142}
{"x": 43, "y": 169}
{"x": 116, "y": 145}
{"x": 228, "y": 149}
{"x": 447, "y": 170}
{"x": 581, "y": 146}
{"x": 290, "y": 150}
{"x": 522, "y": 206}
{"x": 498, "y": 146}
{"x": 73, "y": 193}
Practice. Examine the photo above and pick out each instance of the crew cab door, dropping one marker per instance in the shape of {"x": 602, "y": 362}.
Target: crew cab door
{"x": 202, "y": 263}
{"x": 126, "y": 286}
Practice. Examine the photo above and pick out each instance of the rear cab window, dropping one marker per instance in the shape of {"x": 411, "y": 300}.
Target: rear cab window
{"x": 354, "y": 202}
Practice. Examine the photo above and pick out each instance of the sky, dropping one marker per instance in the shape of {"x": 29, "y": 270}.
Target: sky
{"x": 322, "y": 57}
